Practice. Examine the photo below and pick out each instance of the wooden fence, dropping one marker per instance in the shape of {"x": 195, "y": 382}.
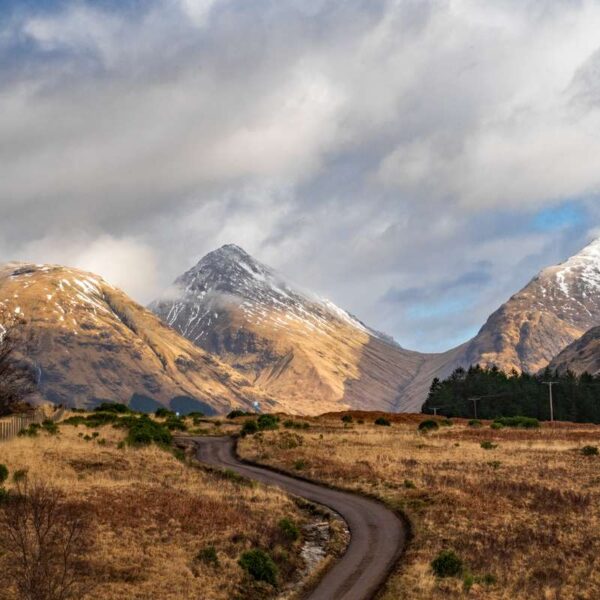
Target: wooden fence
{"x": 10, "y": 426}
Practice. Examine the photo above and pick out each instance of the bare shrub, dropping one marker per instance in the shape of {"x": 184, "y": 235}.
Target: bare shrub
{"x": 45, "y": 539}
{"x": 16, "y": 381}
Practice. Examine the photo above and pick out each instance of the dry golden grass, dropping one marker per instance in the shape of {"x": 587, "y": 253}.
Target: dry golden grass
{"x": 152, "y": 514}
{"x": 526, "y": 513}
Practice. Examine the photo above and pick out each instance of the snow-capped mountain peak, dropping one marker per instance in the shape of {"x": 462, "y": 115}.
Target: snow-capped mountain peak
{"x": 297, "y": 347}
{"x": 229, "y": 276}
{"x": 579, "y": 276}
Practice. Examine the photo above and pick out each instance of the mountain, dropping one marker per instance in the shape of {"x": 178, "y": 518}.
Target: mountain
{"x": 553, "y": 310}
{"x": 301, "y": 349}
{"x": 527, "y": 332}
{"x": 556, "y": 308}
{"x": 88, "y": 342}
{"x": 313, "y": 356}
{"x": 581, "y": 356}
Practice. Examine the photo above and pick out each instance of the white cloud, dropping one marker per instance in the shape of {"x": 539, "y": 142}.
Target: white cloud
{"x": 198, "y": 10}
{"x": 356, "y": 145}
{"x": 125, "y": 263}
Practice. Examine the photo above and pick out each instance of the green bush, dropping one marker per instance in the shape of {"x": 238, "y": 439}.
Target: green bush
{"x": 347, "y": 419}
{"x": 428, "y": 425}
{"x": 496, "y": 425}
{"x": 234, "y": 414}
{"x": 249, "y": 427}
{"x": 175, "y": 424}
{"x": 196, "y": 414}
{"x": 74, "y": 420}
{"x": 522, "y": 422}
{"x": 289, "y": 529}
{"x": 112, "y": 407}
{"x": 383, "y": 421}
{"x": 300, "y": 464}
{"x": 289, "y": 424}
{"x": 259, "y": 565}
{"x": 487, "y": 445}
{"x": 590, "y": 451}
{"x": 447, "y": 564}
{"x": 144, "y": 431}
{"x": 31, "y": 431}
{"x": 231, "y": 475}
{"x": 268, "y": 422}
{"x": 100, "y": 419}
{"x": 446, "y": 422}
{"x": 474, "y": 423}
{"x": 409, "y": 485}
{"x": 3, "y": 473}
{"x": 50, "y": 426}
{"x": 95, "y": 420}
{"x": 178, "y": 453}
{"x": 3, "y": 495}
{"x": 208, "y": 555}
{"x": 468, "y": 581}
{"x": 163, "y": 412}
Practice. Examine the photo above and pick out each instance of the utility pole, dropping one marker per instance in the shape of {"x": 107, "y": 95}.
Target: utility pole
{"x": 434, "y": 409}
{"x": 474, "y": 401}
{"x": 550, "y": 384}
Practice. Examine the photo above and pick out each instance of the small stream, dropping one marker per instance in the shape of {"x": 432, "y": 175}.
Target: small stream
{"x": 317, "y": 537}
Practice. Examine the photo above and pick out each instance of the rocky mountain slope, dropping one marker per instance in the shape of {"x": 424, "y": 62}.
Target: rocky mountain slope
{"x": 552, "y": 311}
{"x": 87, "y": 342}
{"x": 556, "y": 308}
{"x": 581, "y": 356}
{"x": 301, "y": 349}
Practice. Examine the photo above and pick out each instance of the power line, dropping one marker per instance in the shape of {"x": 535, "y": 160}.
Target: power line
{"x": 472, "y": 399}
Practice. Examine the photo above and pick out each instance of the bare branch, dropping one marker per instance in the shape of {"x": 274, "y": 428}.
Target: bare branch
{"x": 45, "y": 539}
{"x": 16, "y": 379}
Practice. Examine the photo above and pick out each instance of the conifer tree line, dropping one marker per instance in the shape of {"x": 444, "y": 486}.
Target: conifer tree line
{"x": 488, "y": 393}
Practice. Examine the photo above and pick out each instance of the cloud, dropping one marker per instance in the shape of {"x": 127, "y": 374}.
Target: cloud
{"x": 125, "y": 263}
{"x": 360, "y": 147}
{"x": 470, "y": 279}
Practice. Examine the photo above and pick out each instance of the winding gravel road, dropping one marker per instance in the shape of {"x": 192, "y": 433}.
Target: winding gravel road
{"x": 377, "y": 539}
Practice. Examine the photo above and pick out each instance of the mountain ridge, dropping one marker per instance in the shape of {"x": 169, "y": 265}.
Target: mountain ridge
{"x": 89, "y": 342}
{"x": 525, "y": 333}
{"x": 581, "y": 356}
{"x": 236, "y": 332}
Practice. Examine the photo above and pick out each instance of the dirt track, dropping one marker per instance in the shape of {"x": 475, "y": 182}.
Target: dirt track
{"x": 377, "y": 535}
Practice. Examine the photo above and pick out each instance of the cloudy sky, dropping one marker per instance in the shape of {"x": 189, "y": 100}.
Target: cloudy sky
{"x": 416, "y": 161}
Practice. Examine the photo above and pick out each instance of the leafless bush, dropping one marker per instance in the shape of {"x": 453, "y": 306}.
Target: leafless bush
{"x": 45, "y": 539}
{"x": 16, "y": 380}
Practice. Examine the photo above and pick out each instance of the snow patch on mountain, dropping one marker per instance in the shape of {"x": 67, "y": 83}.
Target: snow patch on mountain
{"x": 229, "y": 276}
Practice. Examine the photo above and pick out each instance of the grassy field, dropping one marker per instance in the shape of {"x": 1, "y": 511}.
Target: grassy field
{"x": 153, "y": 517}
{"x": 520, "y": 508}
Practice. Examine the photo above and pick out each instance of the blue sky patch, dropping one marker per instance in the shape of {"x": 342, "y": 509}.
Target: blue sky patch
{"x": 560, "y": 217}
